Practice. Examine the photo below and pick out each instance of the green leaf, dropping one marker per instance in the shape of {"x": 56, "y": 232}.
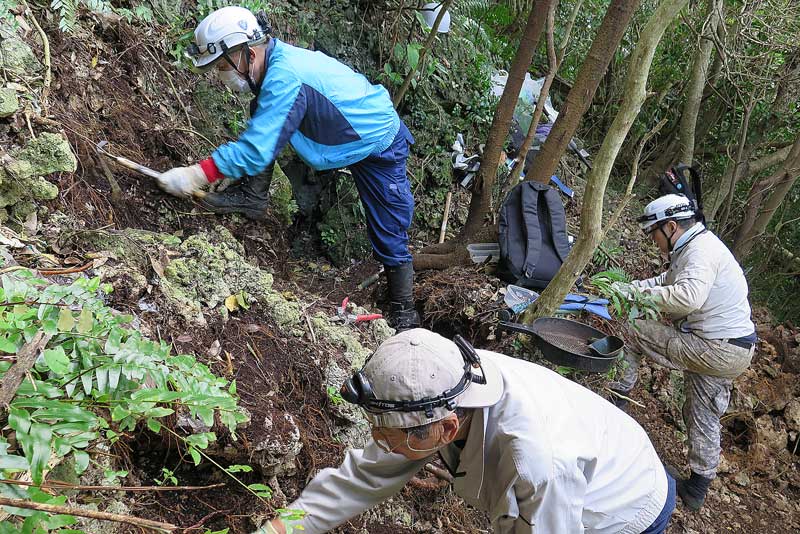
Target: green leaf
{"x": 85, "y": 321}
{"x": 412, "y": 53}
{"x": 239, "y": 469}
{"x": 195, "y": 455}
{"x": 159, "y": 411}
{"x": 65, "y": 320}
{"x": 56, "y": 360}
{"x": 119, "y": 413}
{"x": 261, "y": 490}
{"x": 232, "y": 388}
{"x": 19, "y": 419}
{"x": 36, "y": 446}
{"x": 58, "y": 521}
{"x": 154, "y": 425}
{"x": 9, "y": 344}
{"x": 81, "y": 461}
{"x": 13, "y": 462}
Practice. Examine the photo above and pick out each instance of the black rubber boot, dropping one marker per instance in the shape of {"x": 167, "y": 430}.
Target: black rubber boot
{"x": 249, "y": 196}
{"x": 692, "y": 490}
{"x": 402, "y": 313}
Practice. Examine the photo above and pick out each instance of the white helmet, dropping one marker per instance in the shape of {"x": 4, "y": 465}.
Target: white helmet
{"x": 431, "y": 11}
{"x": 668, "y": 207}
{"x": 225, "y": 30}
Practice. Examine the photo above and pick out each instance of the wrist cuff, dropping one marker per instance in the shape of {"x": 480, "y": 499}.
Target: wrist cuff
{"x": 211, "y": 171}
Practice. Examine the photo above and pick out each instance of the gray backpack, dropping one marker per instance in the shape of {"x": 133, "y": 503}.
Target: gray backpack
{"x": 533, "y": 235}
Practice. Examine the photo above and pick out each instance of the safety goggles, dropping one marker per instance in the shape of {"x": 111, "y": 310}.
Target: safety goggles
{"x": 385, "y": 443}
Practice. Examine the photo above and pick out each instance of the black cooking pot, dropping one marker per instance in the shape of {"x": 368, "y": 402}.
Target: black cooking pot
{"x": 570, "y": 343}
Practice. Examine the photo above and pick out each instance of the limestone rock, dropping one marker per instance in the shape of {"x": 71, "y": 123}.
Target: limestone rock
{"x": 49, "y": 153}
{"x": 9, "y": 103}
{"x": 792, "y": 415}
{"x": 277, "y": 451}
{"x": 774, "y": 438}
{"x": 16, "y": 57}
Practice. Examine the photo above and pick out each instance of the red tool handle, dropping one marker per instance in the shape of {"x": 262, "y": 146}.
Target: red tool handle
{"x": 368, "y": 317}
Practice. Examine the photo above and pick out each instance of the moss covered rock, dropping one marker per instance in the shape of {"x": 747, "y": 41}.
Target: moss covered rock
{"x": 9, "y": 103}
{"x": 16, "y": 57}
{"x": 49, "y": 153}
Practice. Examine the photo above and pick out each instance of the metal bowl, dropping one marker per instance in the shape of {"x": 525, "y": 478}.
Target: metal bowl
{"x": 568, "y": 343}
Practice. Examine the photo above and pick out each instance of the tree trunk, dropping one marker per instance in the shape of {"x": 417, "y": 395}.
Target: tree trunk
{"x": 580, "y": 96}
{"x": 634, "y": 94}
{"x": 553, "y": 62}
{"x": 697, "y": 82}
{"x": 398, "y": 98}
{"x": 735, "y": 171}
{"x": 757, "y": 218}
{"x": 501, "y": 124}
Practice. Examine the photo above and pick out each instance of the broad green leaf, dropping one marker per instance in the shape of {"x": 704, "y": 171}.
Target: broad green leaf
{"x": 19, "y": 419}
{"x": 59, "y": 521}
{"x": 85, "y": 321}
{"x": 114, "y": 341}
{"x": 195, "y": 455}
{"x": 154, "y": 425}
{"x": 12, "y": 462}
{"x": 36, "y": 446}
{"x": 119, "y": 413}
{"x": 158, "y": 411}
{"x": 261, "y": 490}
{"x": 412, "y": 52}
{"x": 9, "y": 344}
{"x": 56, "y": 360}
{"x": 239, "y": 469}
{"x": 81, "y": 461}
{"x": 113, "y": 377}
{"x": 102, "y": 379}
{"x": 65, "y": 320}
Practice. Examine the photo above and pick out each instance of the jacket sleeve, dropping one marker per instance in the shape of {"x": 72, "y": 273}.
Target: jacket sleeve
{"x": 551, "y": 506}
{"x": 690, "y": 290}
{"x": 366, "y": 478}
{"x": 281, "y": 108}
{"x": 650, "y": 282}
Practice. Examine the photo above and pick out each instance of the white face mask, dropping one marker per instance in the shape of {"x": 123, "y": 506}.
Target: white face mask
{"x": 233, "y": 81}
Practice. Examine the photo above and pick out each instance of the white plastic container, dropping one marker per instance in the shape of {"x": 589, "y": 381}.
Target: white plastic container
{"x": 478, "y": 252}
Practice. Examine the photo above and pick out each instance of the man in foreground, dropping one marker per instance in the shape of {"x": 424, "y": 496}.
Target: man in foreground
{"x": 536, "y": 451}
{"x": 333, "y": 118}
{"x": 704, "y": 292}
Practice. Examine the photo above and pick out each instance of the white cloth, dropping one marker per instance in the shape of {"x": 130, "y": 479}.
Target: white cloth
{"x": 550, "y": 456}
{"x": 183, "y": 181}
{"x": 704, "y": 288}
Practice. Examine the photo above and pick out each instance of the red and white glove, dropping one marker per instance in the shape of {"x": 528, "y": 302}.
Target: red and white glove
{"x": 183, "y": 181}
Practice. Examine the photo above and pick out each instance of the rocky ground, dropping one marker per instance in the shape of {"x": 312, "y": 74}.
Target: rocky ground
{"x": 256, "y": 306}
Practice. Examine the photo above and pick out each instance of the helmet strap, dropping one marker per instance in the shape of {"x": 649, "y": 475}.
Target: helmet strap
{"x": 670, "y": 244}
{"x": 246, "y": 51}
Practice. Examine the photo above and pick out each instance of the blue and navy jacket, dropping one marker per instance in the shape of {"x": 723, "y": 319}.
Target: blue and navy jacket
{"x": 332, "y": 116}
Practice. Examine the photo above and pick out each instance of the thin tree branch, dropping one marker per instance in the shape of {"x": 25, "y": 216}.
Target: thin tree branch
{"x": 26, "y": 357}
{"x": 80, "y": 512}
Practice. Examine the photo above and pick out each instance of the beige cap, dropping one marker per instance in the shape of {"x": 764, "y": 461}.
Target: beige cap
{"x": 418, "y": 364}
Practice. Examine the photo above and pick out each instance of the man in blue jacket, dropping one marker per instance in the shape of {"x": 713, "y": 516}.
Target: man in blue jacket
{"x": 332, "y": 117}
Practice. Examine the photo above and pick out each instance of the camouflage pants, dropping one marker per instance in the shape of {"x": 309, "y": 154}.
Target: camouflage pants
{"x": 709, "y": 367}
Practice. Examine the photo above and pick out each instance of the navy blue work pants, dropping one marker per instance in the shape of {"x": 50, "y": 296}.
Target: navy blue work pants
{"x": 385, "y": 193}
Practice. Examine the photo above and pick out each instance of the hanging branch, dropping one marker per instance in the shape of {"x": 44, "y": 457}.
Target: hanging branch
{"x": 48, "y": 74}
{"x": 443, "y": 7}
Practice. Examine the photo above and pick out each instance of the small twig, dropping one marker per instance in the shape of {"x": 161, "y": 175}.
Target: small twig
{"x": 55, "y": 484}
{"x": 51, "y": 272}
{"x": 440, "y": 473}
{"x": 621, "y": 396}
{"x": 311, "y": 329}
{"x": 205, "y": 518}
{"x": 172, "y": 85}
{"x": 80, "y": 512}
{"x": 116, "y": 190}
{"x": 446, "y": 216}
{"x": 48, "y": 75}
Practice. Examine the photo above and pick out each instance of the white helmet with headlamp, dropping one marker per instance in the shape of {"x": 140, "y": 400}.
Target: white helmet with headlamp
{"x": 224, "y": 31}
{"x": 668, "y": 207}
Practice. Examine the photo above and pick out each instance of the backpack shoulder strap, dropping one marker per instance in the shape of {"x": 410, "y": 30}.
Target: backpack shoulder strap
{"x": 530, "y": 218}
{"x": 558, "y": 222}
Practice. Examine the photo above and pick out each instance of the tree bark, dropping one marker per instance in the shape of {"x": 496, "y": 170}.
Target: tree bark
{"x": 759, "y": 212}
{"x": 501, "y": 124}
{"x": 697, "y": 82}
{"x": 634, "y": 94}
{"x": 398, "y": 98}
{"x": 580, "y": 96}
{"x": 25, "y": 359}
{"x": 543, "y": 94}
